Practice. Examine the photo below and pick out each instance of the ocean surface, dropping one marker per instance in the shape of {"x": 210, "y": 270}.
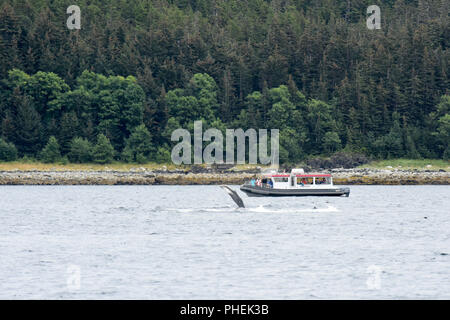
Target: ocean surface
{"x": 191, "y": 242}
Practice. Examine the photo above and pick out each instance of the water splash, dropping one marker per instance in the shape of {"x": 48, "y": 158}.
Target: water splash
{"x": 263, "y": 209}
{"x": 260, "y": 209}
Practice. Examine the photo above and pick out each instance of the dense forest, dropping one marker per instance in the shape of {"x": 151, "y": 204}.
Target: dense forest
{"x": 138, "y": 69}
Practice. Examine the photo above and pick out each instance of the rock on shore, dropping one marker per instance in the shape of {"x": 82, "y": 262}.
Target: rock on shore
{"x": 178, "y": 177}
{"x": 389, "y": 177}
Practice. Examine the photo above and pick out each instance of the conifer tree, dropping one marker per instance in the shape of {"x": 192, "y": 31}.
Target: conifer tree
{"x": 8, "y": 151}
{"x": 80, "y": 150}
{"x": 27, "y": 124}
{"x": 138, "y": 146}
{"x": 103, "y": 152}
{"x": 51, "y": 152}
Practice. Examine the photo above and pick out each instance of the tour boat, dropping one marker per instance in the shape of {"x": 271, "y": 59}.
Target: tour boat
{"x": 297, "y": 184}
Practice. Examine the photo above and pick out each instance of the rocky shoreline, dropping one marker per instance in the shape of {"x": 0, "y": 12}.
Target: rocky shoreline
{"x": 141, "y": 176}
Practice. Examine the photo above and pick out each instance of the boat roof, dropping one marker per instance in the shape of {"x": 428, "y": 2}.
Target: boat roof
{"x": 310, "y": 175}
{"x": 321, "y": 175}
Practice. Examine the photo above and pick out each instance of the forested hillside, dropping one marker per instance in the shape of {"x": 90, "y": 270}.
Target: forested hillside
{"x": 139, "y": 69}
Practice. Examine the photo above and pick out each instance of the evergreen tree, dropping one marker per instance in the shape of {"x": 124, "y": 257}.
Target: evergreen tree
{"x": 331, "y": 141}
{"x": 8, "y": 151}
{"x": 80, "y": 150}
{"x": 27, "y": 124}
{"x": 391, "y": 145}
{"x": 68, "y": 129}
{"x": 138, "y": 146}
{"x": 320, "y": 121}
{"x": 103, "y": 152}
{"x": 9, "y": 36}
{"x": 163, "y": 155}
{"x": 443, "y": 134}
{"x": 51, "y": 152}
{"x": 410, "y": 145}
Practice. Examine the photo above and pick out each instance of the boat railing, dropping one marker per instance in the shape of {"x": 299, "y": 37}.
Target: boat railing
{"x": 262, "y": 186}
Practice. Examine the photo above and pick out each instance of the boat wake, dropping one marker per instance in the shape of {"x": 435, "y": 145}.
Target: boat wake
{"x": 194, "y": 210}
{"x": 262, "y": 209}
{"x": 259, "y": 209}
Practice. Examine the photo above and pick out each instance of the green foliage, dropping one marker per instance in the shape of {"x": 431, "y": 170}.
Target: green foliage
{"x": 69, "y": 127}
{"x": 163, "y": 155}
{"x": 80, "y": 150}
{"x": 121, "y": 108}
{"x": 331, "y": 141}
{"x": 26, "y": 130}
{"x": 196, "y": 102}
{"x": 411, "y": 150}
{"x": 64, "y": 160}
{"x": 44, "y": 87}
{"x": 51, "y": 152}
{"x": 281, "y": 113}
{"x": 16, "y": 79}
{"x": 291, "y": 146}
{"x": 115, "y": 104}
{"x": 390, "y": 145}
{"x": 446, "y": 154}
{"x": 309, "y": 68}
{"x": 254, "y": 104}
{"x": 443, "y": 134}
{"x": 321, "y": 127}
{"x": 8, "y": 151}
{"x": 103, "y": 151}
{"x": 138, "y": 146}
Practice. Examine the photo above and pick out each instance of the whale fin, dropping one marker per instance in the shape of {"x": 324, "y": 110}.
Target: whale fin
{"x": 233, "y": 194}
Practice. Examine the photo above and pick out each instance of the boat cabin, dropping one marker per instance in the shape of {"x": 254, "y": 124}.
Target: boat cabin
{"x": 294, "y": 184}
{"x": 297, "y": 179}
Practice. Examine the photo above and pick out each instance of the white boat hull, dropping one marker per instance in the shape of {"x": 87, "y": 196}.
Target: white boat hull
{"x": 255, "y": 191}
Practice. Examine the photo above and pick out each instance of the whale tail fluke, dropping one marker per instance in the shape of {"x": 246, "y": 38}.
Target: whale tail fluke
{"x": 233, "y": 194}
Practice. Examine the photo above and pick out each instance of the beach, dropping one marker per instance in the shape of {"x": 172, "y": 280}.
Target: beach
{"x": 145, "y": 176}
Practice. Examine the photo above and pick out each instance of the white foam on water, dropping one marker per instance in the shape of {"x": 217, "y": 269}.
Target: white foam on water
{"x": 262, "y": 209}
{"x": 190, "y": 210}
{"x": 259, "y": 209}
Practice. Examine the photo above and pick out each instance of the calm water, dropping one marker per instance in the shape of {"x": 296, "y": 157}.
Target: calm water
{"x": 190, "y": 242}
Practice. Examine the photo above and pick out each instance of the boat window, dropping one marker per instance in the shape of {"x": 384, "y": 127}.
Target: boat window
{"x": 325, "y": 180}
{"x": 281, "y": 179}
{"x": 304, "y": 181}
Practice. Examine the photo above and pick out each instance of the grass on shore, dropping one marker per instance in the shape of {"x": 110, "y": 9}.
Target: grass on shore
{"x": 401, "y": 164}
{"x": 116, "y": 166}
{"x": 409, "y": 164}
{"x": 31, "y": 166}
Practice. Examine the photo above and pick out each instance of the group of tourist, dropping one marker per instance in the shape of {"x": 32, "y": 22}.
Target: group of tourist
{"x": 267, "y": 183}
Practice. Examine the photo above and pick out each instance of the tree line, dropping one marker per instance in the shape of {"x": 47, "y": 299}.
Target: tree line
{"x": 137, "y": 70}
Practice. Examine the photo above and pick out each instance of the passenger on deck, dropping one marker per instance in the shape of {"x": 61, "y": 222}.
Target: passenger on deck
{"x": 252, "y": 182}
{"x": 264, "y": 182}
{"x": 270, "y": 183}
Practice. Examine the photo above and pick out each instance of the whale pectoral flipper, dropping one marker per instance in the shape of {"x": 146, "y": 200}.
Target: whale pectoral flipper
{"x": 233, "y": 194}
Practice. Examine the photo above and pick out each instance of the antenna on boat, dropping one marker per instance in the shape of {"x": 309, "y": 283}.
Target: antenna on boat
{"x": 233, "y": 194}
